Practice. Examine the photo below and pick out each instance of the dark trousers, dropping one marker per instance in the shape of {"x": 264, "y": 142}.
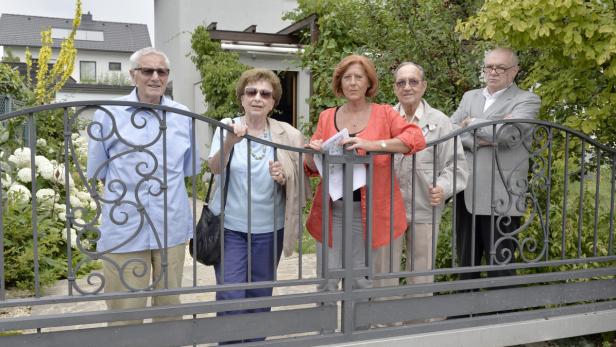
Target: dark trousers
{"x": 504, "y": 249}
{"x": 263, "y": 268}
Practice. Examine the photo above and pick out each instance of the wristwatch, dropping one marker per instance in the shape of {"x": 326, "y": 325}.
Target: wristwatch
{"x": 383, "y": 144}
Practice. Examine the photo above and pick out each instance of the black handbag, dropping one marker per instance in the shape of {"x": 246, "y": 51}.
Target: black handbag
{"x": 208, "y": 228}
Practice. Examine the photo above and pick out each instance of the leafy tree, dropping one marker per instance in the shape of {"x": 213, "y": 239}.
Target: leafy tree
{"x": 218, "y": 69}
{"x": 390, "y": 32}
{"x": 10, "y": 82}
{"x": 572, "y": 46}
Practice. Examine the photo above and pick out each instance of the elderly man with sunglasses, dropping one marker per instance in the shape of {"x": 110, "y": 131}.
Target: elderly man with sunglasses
{"x": 142, "y": 156}
{"x": 494, "y": 209}
{"x": 424, "y": 197}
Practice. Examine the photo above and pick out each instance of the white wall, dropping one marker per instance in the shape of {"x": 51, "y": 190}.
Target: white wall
{"x": 174, "y": 22}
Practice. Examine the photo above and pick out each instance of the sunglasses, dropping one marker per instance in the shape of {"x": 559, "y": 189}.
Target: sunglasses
{"x": 252, "y": 92}
{"x": 147, "y": 71}
{"x": 411, "y": 82}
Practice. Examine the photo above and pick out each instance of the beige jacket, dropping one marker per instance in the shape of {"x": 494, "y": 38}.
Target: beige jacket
{"x": 295, "y": 196}
{"x": 434, "y": 125}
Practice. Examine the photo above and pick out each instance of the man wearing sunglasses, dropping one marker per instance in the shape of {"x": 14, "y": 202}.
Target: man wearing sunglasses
{"x": 433, "y": 182}
{"x": 494, "y": 209}
{"x": 146, "y": 217}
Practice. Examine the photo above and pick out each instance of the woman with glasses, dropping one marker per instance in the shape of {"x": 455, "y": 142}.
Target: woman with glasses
{"x": 372, "y": 128}
{"x": 256, "y": 230}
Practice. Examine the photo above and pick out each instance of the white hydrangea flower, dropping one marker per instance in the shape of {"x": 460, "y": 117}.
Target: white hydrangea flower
{"x": 79, "y": 221}
{"x": 46, "y": 197}
{"x": 77, "y": 213}
{"x": 19, "y": 192}
{"x": 73, "y": 236}
{"x": 83, "y": 196}
{"x": 62, "y": 216}
{"x": 46, "y": 171}
{"x": 44, "y": 167}
{"x": 75, "y": 202}
{"x": 21, "y": 157}
{"x": 41, "y": 143}
{"x": 24, "y": 175}
{"x": 92, "y": 204}
{"x": 59, "y": 207}
{"x": 6, "y": 180}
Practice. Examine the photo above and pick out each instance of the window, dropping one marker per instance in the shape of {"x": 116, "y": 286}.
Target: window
{"x": 115, "y": 66}
{"x": 87, "y": 71}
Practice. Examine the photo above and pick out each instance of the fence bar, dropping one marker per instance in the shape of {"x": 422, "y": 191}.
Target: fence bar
{"x": 409, "y": 252}
{"x": 300, "y": 213}
{"x": 597, "y": 193}
{"x": 454, "y": 206}
{"x": 249, "y": 204}
{"x": 391, "y": 216}
{"x": 492, "y": 203}
{"x": 565, "y": 195}
{"x": 275, "y": 250}
{"x": 581, "y": 205}
{"x": 193, "y": 183}
{"x": 32, "y": 143}
{"x": 165, "y": 250}
{"x": 613, "y": 192}
{"x": 435, "y": 168}
{"x": 548, "y": 195}
{"x": 71, "y": 277}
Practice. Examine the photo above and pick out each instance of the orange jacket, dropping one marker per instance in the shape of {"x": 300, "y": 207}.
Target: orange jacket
{"x": 384, "y": 123}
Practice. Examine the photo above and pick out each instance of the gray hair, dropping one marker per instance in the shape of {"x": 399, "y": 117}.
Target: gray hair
{"x": 134, "y": 58}
{"x": 422, "y": 72}
{"x": 514, "y": 57}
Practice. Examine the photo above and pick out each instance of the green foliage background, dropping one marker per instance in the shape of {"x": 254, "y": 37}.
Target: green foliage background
{"x": 391, "y": 32}
{"x": 219, "y": 70}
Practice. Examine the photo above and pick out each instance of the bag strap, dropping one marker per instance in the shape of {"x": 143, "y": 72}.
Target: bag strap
{"x": 228, "y": 171}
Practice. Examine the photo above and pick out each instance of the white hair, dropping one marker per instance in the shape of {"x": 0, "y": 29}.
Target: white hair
{"x": 134, "y": 58}
{"x": 514, "y": 57}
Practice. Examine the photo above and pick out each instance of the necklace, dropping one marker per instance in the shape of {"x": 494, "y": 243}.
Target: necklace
{"x": 258, "y": 150}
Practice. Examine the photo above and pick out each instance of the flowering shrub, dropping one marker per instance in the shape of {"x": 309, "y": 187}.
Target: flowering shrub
{"x": 51, "y": 215}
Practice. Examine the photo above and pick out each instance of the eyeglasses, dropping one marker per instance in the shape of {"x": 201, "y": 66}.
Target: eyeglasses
{"x": 252, "y": 92}
{"x": 411, "y": 82}
{"x": 147, "y": 71}
{"x": 497, "y": 69}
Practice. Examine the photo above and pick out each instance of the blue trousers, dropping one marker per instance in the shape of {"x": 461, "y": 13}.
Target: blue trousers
{"x": 235, "y": 260}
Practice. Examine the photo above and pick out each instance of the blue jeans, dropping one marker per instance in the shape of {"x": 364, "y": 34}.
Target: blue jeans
{"x": 236, "y": 268}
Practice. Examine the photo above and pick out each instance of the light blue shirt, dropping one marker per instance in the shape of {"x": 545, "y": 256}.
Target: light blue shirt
{"x": 133, "y": 201}
{"x": 261, "y": 189}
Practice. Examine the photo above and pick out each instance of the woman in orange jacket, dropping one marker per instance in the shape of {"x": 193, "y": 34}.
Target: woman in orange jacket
{"x": 372, "y": 128}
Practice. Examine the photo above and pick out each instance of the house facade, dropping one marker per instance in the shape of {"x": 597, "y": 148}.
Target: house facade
{"x": 103, "y": 51}
{"x": 174, "y": 22}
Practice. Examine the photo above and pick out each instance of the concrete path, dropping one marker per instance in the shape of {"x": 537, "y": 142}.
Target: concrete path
{"x": 288, "y": 269}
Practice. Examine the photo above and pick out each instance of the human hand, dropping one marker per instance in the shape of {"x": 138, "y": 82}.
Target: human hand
{"x": 239, "y": 130}
{"x": 436, "y": 195}
{"x": 277, "y": 172}
{"x": 466, "y": 122}
{"x": 358, "y": 142}
{"x": 317, "y": 146}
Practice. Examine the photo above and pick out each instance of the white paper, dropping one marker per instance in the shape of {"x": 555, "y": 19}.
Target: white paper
{"x": 333, "y": 146}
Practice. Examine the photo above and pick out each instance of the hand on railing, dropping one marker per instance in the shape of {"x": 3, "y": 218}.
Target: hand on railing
{"x": 316, "y": 145}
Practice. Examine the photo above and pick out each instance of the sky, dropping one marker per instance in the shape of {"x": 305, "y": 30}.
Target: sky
{"x": 129, "y": 11}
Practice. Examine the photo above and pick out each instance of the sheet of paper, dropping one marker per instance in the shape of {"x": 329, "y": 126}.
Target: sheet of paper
{"x": 333, "y": 146}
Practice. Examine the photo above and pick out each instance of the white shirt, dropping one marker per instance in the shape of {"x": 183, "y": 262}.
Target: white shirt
{"x": 491, "y": 98}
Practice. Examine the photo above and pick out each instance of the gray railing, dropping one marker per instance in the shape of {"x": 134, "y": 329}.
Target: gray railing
{"x": 562, "y": 260}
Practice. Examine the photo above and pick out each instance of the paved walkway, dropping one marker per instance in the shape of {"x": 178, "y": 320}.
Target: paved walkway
{"x": 288, "y": 269}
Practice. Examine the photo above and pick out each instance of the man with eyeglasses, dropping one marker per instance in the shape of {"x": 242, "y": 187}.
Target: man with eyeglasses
{"x": 142, "y": 156}
{"x": 494, "y": 210}
{"x": 424, "y": 198}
